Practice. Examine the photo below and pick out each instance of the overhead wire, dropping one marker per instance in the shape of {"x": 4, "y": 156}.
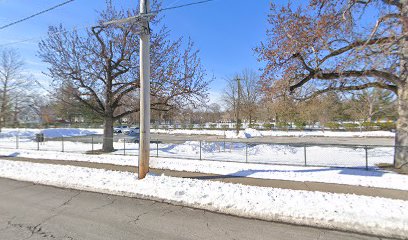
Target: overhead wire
{"x": 35, "y": 14}
{"x": 181, "y": 6}
{"x": 52, "y": 33}
{"x": 75, "y": 28}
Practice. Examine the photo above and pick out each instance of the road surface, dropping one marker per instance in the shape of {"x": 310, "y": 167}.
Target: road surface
{"x": 29, "y": 211}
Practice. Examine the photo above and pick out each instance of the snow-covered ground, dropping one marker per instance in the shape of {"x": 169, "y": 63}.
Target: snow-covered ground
{"x": 29, "y": 133}
{"x": 358, "y": 177}
{"x": 336, "y": 156}
{"x": 379, "y": 216}
{"x": 238, "y": 152}
{"x": 249, "y": 132}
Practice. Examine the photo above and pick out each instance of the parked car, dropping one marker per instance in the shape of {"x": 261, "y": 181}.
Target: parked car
{"x": 133, "y": 131}
{"x": 121, "y": 129}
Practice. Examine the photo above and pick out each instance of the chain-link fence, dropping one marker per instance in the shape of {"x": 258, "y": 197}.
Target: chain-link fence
{"x": 332, "y": 155}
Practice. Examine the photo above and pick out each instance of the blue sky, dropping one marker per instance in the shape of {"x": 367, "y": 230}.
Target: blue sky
{"x": 225, "y": 31}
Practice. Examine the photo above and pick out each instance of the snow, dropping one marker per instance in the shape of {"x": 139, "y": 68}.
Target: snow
{"x": 250, "y": 133}
{"x": 238, "y": 159}
{"x": 67, "y": 132}
{"x": 340, "y": 156}
{"x": 29, "y": 133}
{"x": 247, "y": 133}
{"x": 370, "y": 215}
{"x": 357, "y": 177}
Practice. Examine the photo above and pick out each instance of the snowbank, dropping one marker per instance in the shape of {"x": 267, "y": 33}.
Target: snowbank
{"x": 29, "y": 133}
{"x": 68, "y": 132}
{"x": 249, "y": 133}
{"x": 369, "y": 215}
{"x": 357, "y": 177}
{"x": 21, "y": 132}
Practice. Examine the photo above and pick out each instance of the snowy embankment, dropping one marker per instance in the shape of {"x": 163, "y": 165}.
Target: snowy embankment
{"x": 249, "y": 132}
{"x": 340, "y": 156}
{"x": 378, "y": 216}
{"x": 48, "y": 133}
{"x": 357, "y": 177}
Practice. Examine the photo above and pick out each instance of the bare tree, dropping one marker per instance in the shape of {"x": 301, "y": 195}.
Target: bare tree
{"x": 213, "y": 113}
{"x": 250, "y": 94}
{"x": 331, "y": 45}
{"x": 241, "y": 96}
{"x": 232, "y": 99}
{"x": 13, "y": 85}
{"x": 103, "y": 68}
{"x": 370, "y": 104}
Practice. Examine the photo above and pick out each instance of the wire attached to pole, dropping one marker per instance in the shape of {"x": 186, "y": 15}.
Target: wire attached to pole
{"x": 34, "y": 15}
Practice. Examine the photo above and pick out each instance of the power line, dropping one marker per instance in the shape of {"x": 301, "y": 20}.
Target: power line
{"x": 156, "y": 11}
{"x": 39, "y": 37}
{"x": 34, "y": 15}
{"x": 181, "y": 6}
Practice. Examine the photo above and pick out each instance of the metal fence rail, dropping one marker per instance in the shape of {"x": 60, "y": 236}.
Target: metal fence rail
{"x": 328, "y": 155}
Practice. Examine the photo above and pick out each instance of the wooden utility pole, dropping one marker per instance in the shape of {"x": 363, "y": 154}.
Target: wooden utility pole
{"x": 144, "y": 143}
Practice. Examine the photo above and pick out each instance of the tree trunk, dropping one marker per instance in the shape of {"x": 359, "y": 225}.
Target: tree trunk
{"x": 108, "y": 134}
{"x": 3, "y": 107}
{"x": 401, "y": 138}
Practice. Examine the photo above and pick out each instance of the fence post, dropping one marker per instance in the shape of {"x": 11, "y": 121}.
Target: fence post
{"x": 366, "y": 156}
{"x": 200, "y": 149}
{"x": 17, "y": 142}
{"x": 304, "y": 151}
{"x": 62, "y": 144}
{"x": 92, "y": 143}
{"x": 124, "y": 146}
{"x": 246, "y": 152}
{"x": 157, "y": 148}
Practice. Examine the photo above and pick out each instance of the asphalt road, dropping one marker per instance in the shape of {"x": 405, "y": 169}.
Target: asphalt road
{"x": 29, "y": 211}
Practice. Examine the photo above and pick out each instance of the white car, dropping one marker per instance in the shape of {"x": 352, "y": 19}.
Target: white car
{"x": 121, "y": 129}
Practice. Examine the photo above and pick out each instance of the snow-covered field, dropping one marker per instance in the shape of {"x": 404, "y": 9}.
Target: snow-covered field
{"x": 238, "y": 152}
{"x": 249, "y": 132}
{"x": 340, "y": 156}
{"x": 358, "y": 177}
{"x": 29, "y": 133}
{"x": 379, "y": 216}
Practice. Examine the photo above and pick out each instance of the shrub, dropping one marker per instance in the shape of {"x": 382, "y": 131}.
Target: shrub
{"x": 268, "y": 126}
{"x": 387, "y": 126}
{"x": 350, "y": 126}
{"x": 224, "y": 127}
{"x": 254, "y": 125}
{"x": 333, "y": 125}
{"x": 368, "y": 125}
{"x": 283, "y": 125}
{"x": 213, "y": 126}
{"x": 300, "y": 125}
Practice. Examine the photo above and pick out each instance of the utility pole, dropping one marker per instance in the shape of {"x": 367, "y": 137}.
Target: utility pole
{"x": 144, "y": 143}
{"x": 238, "y": 120}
